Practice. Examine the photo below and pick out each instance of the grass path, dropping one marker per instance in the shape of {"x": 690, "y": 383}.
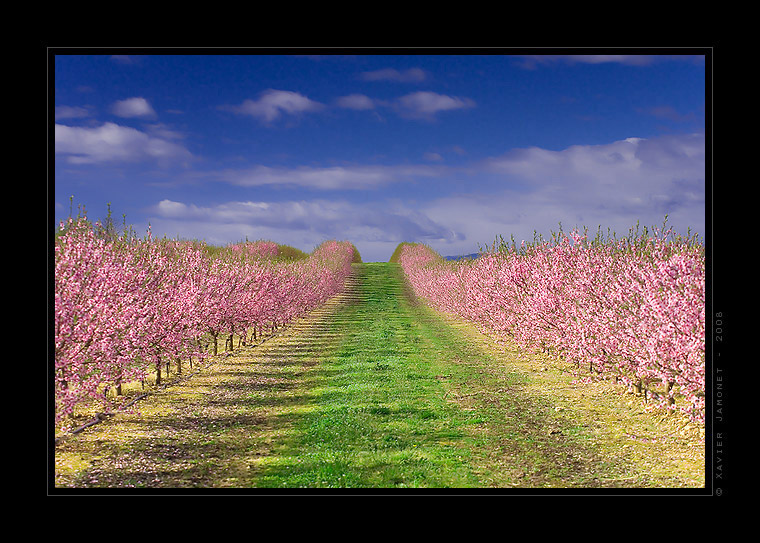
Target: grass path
{"x": 376, "y": 391}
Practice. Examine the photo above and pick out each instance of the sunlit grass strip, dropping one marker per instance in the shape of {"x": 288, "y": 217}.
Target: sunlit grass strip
{"x": 381, "y": 418}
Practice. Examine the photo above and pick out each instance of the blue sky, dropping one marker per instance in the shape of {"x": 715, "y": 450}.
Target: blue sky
{"x": 448, "y": 150}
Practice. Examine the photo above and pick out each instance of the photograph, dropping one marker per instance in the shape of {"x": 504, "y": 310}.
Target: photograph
{"x": 379, "y": 271}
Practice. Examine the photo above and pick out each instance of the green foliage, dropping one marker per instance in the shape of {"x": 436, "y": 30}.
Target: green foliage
{"x": 397, "y": 252}
{"x": 639, "y": 238}
{"x": 357, "y": 257}
{"x": 286, "y": 252}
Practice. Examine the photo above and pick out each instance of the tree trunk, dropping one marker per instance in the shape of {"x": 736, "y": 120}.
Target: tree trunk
{"x": 669, "y": 392}
{"x": 637, "y": 388}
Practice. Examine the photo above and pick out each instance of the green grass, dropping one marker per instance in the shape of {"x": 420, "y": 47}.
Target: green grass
{"x": 380, "y": 416}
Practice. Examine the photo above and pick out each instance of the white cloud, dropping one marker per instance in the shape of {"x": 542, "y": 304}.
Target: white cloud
{"x": 113, "y": 143}
{"x": 425, "y": 104}
{"x": 631, "y": 60}
{"x": 123, "y": 59}
{"x": 326, "y": 178}
{"x": 613, "y": 185}
{"x": 632, "y": 164}
{"x": 133, "y": 107}
{"x": 163, "y": 131}
{"x": 271, "y": 104}
{"x": 374, "y": 228}
{"x": 669, "y": 113}
{"x": 417, "y": 105}
{"x": 356, "y": 101}
{"x": 531, "y": 62}
{"x": 412, "y": 75}
{"x": 70, "y": 112}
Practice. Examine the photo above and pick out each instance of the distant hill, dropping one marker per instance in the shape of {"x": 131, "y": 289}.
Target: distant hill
{"x": 460, "y": 257}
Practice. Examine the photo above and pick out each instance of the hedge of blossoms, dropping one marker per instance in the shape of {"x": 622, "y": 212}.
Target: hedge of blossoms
{"x": 257, "y": 248}
{"x": 124, "y": 307}
{"x": 632, "y": 309}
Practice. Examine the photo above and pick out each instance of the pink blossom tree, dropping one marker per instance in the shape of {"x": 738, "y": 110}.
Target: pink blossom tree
{"x": 632, "y": 310}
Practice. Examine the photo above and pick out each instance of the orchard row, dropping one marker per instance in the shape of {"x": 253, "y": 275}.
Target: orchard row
{"x": 631, "y": 309}
{"x": 126, "y": 306}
